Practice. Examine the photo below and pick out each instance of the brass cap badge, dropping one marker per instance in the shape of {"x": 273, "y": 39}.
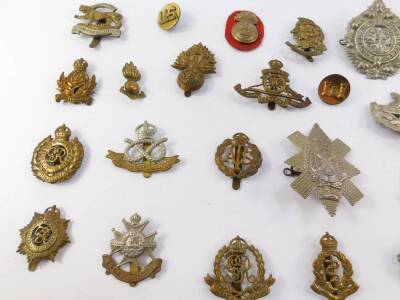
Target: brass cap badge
{"x": 43, "y": 237}
{"x": 234, "y": 276}
{"x": 102, "y": 20}
{"x": 194, "y": 63}
{"x": 238, "y": 158}
{"x": 57, "y": 159}
{"x": 145, "y": 154}
{"x": 169, "y": 16}
{"x": 274, "y": 89}
{"x": 321, "y": 168}
{"x": 333, "y": 272}
{"x": 77, "y": 87}
{"x": 388, "y": 115}
{"x": 131, "y": 87}
{"x": 133, "y": 245}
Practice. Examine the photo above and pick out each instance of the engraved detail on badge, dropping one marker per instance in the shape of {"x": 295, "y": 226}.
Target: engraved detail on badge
{"x": 43, "y": 237}
{"x": 334, "y": 89}
{"x": 239, "y": 272}
{"x": 57, "y": 159}
{"x": 131, "y": 88}
{"x": 372, "y": 41}
{"x": 145, "y": 154}
{"x": 193, "y": 64}
{"x": 135, "y": 247}
{"x": 320, "y": 168}
{"x": 102, "y": 20}
{"x": 309, "y": 38}
{"x": 238, "y": 158}
{"x": 169, "y": 16}
{"x": 245, "y": 31}
{"x": 333, "y": 272}
{"x": 388, "y": 115}
{"x": 274, "y": 89}
{"x": 76, "y": 87}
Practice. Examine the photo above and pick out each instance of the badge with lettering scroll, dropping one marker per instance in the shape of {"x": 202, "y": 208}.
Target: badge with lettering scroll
{"x": 372, "y": 41}
{"x": 57, "y": 159}
{"x": 136, "y": 248}
{"x": 244, "y": 30}
{"x": 169, "y": 16}
{"x": 43, "y": 237}
{"x": 388, "y": 115}
{"x": 320, "y": 168}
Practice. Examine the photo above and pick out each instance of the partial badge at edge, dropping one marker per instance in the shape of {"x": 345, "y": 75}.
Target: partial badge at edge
{"x": 388, "y": 115}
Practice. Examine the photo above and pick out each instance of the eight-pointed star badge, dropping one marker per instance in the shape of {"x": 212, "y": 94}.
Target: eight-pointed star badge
{"x": 321, "y": 168}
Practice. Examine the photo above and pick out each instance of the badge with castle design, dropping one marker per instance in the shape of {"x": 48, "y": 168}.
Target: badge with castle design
{"x": 57, "y": 159}
{"x": 144, "y": 154}
{"x": 320, "y": 168}
{"x": 136, "y": 248}
{"x": 42, "y": 238}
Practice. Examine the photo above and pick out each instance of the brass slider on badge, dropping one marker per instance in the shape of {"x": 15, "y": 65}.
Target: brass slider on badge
{"x": 43, "y": 237}
{"x": 333, "y": 272}
{"x": 131, "y": 88}
{"x": 388, "y": 115}
{"x": 57, "y": 159}
{"x": 238, "y": 158}
{"x": 320, "y": 168}
{"x": 102, "y": 20}
{"x": 135, "y": 247}
{"x": 309, "y": 38}
{"x": 169, "y": 16}
{"x": 239, "y": 272}
{"x": 76, "y": 87}
{"x": 274, "y": 89}
{"x": 334, "y": 89}
{"x": 193, "y": 64}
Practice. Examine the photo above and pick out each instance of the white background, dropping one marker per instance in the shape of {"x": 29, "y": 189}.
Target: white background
{"x": 192, "y": 207}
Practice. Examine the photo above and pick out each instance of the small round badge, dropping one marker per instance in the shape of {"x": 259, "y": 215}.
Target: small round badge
{"x": 244, "y": 30}
{"x": 334, "y": 89}
{"x": 169, "y": 16}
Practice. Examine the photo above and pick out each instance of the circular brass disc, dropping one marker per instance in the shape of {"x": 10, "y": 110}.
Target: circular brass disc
{"x": 334, "y": 89}
{"x": 169, "y": 16}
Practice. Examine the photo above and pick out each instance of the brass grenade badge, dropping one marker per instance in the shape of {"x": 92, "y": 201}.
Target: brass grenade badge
{"x": 274, "y": 89}
{"x": 321, "y": 168}
{"x": 134, "y": 246}
{"x": 239, "y": 272}
{"x": 193, "y": 64}
{"x": 144, "y": 154}
{"x": 101, "y": 20}
{"x": 238, "y": 158}
{"x": 57, "y": 159}
{"x": 333, "y": 272}
{"x": 76, "y": 87}
{"x": 43, "y": 237}
{"x": 131, "y": 87}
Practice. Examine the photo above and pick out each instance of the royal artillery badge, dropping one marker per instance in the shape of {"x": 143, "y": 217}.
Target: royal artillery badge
{"x": 43, "y": 237}
{"x": 135, "y": 247}
{"x": 57, "y": 159}
{"x": 145, "y": 154}
{"x": 320, "y": 168}
{"x": 388, "y": 115}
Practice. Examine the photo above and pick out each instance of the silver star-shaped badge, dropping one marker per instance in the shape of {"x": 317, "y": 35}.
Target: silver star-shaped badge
{"x": 321, "y": 168}
{"x": 388, "y": 115}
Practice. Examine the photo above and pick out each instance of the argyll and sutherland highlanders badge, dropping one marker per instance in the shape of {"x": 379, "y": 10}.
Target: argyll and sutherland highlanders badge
{"x": 388, "y": 115}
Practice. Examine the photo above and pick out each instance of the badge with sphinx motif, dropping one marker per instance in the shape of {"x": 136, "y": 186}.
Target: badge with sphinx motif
{"x": 135, "y": 247}
{"x": 57, "y": 159}
{"x": 388, "y": 115}
{"x": 145, "y": 154}
{"x": 322, "y": 169}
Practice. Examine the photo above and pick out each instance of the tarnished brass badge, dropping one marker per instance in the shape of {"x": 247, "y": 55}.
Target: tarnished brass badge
{"x": 321, "y": 168}
{"x": 334, "y": 89}
{"x": 102, "y": 20}
{"x": 274, "y": 89}
{"x": 372, "y": 41}
{"x": 135, "y": 247}
{"x": 56, "y": 160}
{"x": 76, "y": 87}
{"x": 194, "y": 63}
{"x": 169, "y": 16}
{"x": 309, "y": 38}
{"x": 145, "y": 154}
{"x": 333, "y": 272}
{"x": 235, "y": 277}
{"x": 238, "y": 158}
{"x": 43, "y": 237}
{"x": 388, "y": 115}
{"x": 131, "y": 87}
